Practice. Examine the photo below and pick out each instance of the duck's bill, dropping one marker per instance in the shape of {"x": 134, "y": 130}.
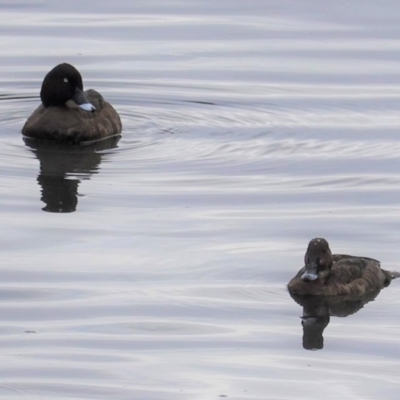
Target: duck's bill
{"x": 87, "y": 107}
{"x": 81, "y": 99}
{"x": 311, "y": 273}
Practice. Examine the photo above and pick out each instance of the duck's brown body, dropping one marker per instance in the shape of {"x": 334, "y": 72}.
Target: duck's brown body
{"x": 67, "y": 113}
{"x": 69, "y": 123}
{"x": 325, "y": 274}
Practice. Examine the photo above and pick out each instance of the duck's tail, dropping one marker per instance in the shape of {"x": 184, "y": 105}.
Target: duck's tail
{"x": 394, "y": 274}
{"x": 389, "y": 275}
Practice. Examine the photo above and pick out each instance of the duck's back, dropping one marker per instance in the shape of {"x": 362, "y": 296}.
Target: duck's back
{"x": 352, "y": 275}
{"x": 72, "y": 124}
{"x": 346, "y": 268}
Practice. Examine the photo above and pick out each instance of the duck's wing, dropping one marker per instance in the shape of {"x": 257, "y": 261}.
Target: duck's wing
{"x": 347, "y": 257}
{"x": 106, "y": 120}
{"x": 95, "y": 98}
{"x": 347, "y": 269}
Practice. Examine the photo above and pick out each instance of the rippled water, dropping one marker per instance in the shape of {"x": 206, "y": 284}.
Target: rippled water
{"x": 154, "y": 267}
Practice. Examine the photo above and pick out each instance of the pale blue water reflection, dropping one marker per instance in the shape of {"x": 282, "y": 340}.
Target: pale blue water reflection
{"x": 249, "y": 128}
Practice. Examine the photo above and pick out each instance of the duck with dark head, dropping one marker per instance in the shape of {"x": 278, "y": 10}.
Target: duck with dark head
{"x": 327, "y": 274}
{"x": 67, "y": 113}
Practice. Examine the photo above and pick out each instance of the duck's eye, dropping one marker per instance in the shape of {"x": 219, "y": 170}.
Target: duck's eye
{"x": 66, "y": 80}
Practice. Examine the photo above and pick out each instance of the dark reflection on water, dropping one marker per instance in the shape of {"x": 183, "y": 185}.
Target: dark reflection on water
{"x": 59, "y": 165}
{"x": 317, "y": 311}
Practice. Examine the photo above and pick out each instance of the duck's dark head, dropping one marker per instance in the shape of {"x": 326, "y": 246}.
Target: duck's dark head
{"x": 63, "y": 83}
{"x": 318, "y": 260}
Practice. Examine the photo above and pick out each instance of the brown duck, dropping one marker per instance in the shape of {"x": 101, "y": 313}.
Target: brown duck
{"x": 327, "y": 274}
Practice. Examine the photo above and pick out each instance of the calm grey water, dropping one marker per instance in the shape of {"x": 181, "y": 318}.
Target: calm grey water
{"x": 155, "y": 267}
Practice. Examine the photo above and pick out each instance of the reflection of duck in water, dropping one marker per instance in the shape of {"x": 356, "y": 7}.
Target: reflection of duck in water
{"x": 317, "y": 311}
{"x": 337, "y": 285}
{"x": 63, "y": 167}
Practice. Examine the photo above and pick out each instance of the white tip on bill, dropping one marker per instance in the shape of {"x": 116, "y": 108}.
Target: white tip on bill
{"x": 87, "y": 107}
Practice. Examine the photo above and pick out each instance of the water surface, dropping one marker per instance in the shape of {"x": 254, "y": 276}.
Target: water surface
{"x": 154, "y": 267}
